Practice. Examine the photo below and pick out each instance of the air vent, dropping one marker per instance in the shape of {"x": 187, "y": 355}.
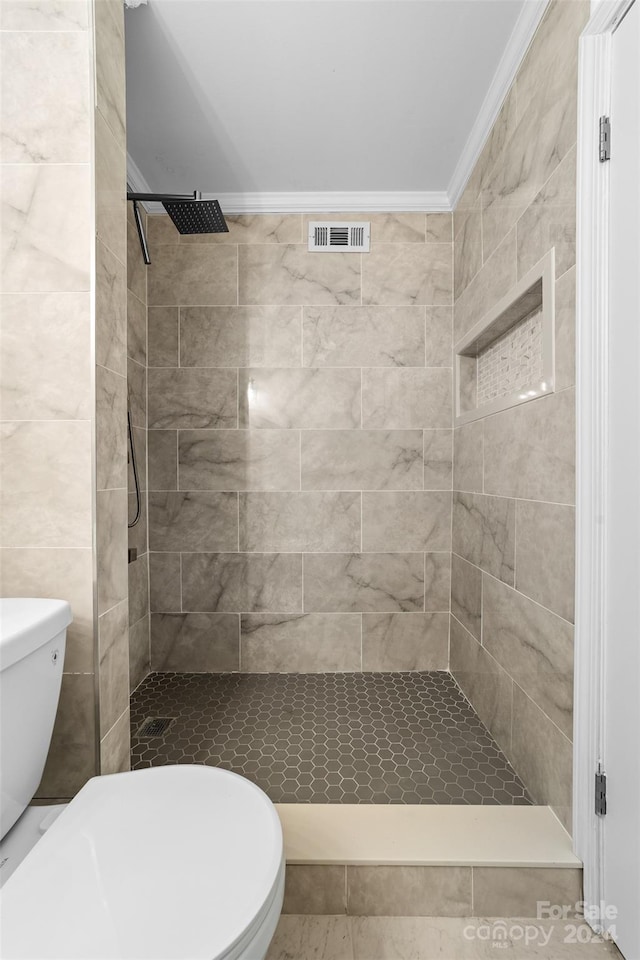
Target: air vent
{"x": 347, "y": 237}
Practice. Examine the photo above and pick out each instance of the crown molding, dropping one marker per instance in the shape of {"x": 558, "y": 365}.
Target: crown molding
{"x": 526, "y": 25}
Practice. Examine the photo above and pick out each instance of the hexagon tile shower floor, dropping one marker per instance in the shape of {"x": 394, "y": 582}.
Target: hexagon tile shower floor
{"x": 327, "y": 738}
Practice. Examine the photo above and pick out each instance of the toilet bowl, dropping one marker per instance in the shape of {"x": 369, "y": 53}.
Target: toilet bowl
{"x": 171, "y": 862}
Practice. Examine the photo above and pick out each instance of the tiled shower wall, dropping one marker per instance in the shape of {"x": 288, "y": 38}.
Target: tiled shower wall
{"x": 512, "y": 596}
{"x": 300, "y": 447}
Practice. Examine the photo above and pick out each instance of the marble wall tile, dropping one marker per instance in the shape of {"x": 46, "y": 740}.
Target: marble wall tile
{"x": 72, "y": 754}
{"x": 109, "y": 59}
{"x": 140, "y": 444}
{"x": 493, "y": 281}
{"x": 243, "y": 228}
{"x": 46, "y": 484}
{"x": 550, "y": 221}
{"x": 137, "y": 393}
{"x": 162, "y": 460}
{"x": 362, "y": 460}
{"x": 137, "y": 534}
{"x": 242, "y": 582}
{"x": 468, "y": 442}
{"x": 239, "y": 459}
{"x": 383, "y": 891}
{"x": 164, "y": 582}
{"x": 406, "y": 520}
{"x": 115, "y": 747}
{"x": 328, "y": 938}
{"x": 484, "y": 533}
{"x": 365, "y": 582}
{"x": 111, "y": 426}
{"x": 545, "y": 555}
{"x": 405, "y": 641}
{"x": 542, "y": 756}
{"x": 136, "y": 329}
{"x": 566, "y": 330}
{"x": 139, "y": 655}
{"x": 193, "y": 521}
{"x": 111, "y": 547}
{"x": 364, "y": 336}
{"x": 195, "y": 642}
{"x": 138, "y": 593}
{"x": 401, "y": 399}
{"x": 486, "y": 685}
{"x": 192, "y": 398}
{"x": 240, "y": 336}
{"x": 113, "y": 651}
{"x": 300, "y": 522}
{"x": 163, "y": 324}
{"x": 534, "y": 646}
{"x": 50, "y": 15}
{"x": 289, "y": 273}
{"x": 466, "y": 595}
{"x": 529, "y": 451}
{"x": 517, "y": 891}
{"x": 385, "y": 227}
{"x": 407, "y": 273}
{"x": 111, "y": 310}
{"x": 303, "y": 643}
{"x": 46, "y": 235}
{"x": 501, "y": 133}
{"x": 193, "y": 274}
{"x": 439, "y": 336}
{"x": 136, "y": 268}
{"x": 111, "y": 189}
{"x": 315, "y": 888}
{"x": 299, "y": 399}
{"x": 54, "y": 574}
{"x": 44, "y": 356}
{"x": 44, "y": 75}
{"x": 438, "y": 459}
{"x": 439, "y": 228}
{"x": 437, "y": 581}
{"x": 467, "y": 250}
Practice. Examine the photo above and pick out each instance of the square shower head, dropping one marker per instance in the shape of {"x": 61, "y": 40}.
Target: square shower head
{"x": 196, "y": 216}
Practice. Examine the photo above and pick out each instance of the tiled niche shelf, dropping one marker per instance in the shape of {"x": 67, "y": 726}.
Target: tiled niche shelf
{"x": 507, "y": 358}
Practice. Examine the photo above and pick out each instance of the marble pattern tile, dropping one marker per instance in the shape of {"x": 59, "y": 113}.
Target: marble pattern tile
{"x": 405, "y": 641}
{"x": 242, "y": 582}
{"x": 136, "y": 329}
{"x": 109, "y": 66}
{"x": 439, "y": 228}
{"x": 138, "y": 592}
{"x": 140, "y": 445}
{"x": 467, "y": 250}
{"x": 549, "y": 222}
{"x": 192, "y": 398}
{"x": 137, "y": 539}
{"x": 565, "y": 333}
{"x": 529, "y": 451}
{"x": 137, "y": 393}
{"x": 484, "y": 533}
{"x": 383, "y": 891}
{"x": 164, "y": 582}
{"x": 493, "y": 281}
{"x": 139, "y": 651}
{"x": 312, "y": 938}
{"x": 290, "y": 274}
{"x": 111, "y": 311}
{"x": 195, "y": 642}
{"x": 46, "y": 228}
{"x": 468, "y": 441}
{"x": 44, "y": 357}
{"x": 111, "y": 430}
{"x": 299, "y": 399}
{"x": 362, "y": 460}
{"x": 439, "y": 336}
{"x": 534, "y": 647}
{"x": 385, "y": 227}
{"x": 163, "y": 327}
{"x": 240, "y": 336}
{"x": 545, "y": 555}
{"x": 518, "y": 891}
{"x": 438, "y": 459}
{"x": 407, "y": 273}
{"x": 193, "y": 521}
{"x": 437, "y": 581}
{"x": 162, "y": 460}
{"x": 193, "y": 275}
{"x": 113, "y": 650}
{"x": 365, "y": 582}
{"x": 50, "y": 15}
{"x": 239, "y": 459}
{"x": 406, "y": 520}
{"x": 44, "y": 75}
{"x": 402, "y": 399}
{"x": 71, "y": 760}
{"x": 501, "y": 133}
{"x": 300, "y": 643}
{"x": 136, "y": 268}
{"x": 46, "y": 484}
{"x": 315, "y": 888}
{"x": 111, "y": 189}
{"x": 364, "y": 336}
{"x": 111, "y": 547}
{"x": 243, "y": 228}
{"x": 466, "y": 595}
{"x": 291, "y": 522}
{"x": 115, "y": 747}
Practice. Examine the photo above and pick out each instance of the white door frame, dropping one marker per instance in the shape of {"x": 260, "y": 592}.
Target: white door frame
{"x": 592, "y": 327}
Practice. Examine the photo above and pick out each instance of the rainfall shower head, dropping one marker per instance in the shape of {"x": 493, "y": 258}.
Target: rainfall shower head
{"x": 189, "y": 214}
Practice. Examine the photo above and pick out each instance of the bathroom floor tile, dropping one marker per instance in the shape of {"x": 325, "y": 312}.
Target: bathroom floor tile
{"x": 329, "y": 737}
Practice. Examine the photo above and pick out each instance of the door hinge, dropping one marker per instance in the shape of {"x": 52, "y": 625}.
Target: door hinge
{"x": 605, "y": 139}
{"x": 601, "y": 793}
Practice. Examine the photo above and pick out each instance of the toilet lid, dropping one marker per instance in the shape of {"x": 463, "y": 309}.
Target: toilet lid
{"x": 169, "y": 862}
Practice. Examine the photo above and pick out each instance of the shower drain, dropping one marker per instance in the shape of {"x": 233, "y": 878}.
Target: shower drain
{"x": 154, "y": 727}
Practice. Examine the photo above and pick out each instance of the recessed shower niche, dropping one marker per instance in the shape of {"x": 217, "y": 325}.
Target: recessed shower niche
{"x": 507, "y": 357}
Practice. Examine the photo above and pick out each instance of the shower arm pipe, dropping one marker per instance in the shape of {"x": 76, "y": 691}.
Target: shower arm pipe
{"x": 165, "y": 197}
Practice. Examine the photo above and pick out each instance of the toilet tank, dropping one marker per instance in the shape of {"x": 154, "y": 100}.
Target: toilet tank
{"x": 32, "y": 642}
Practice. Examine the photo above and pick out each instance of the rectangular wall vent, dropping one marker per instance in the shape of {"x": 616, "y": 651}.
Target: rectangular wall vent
{"x": 327, "y": 236}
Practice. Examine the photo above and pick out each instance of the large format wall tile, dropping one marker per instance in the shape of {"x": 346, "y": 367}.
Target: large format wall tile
{"x": 238, "y": 459}
{"x": 162, "y": 460}
{"x": 405, "y": 641}
{"x": 192, "y": 398}
{"x": 111, "y": 418}
{"x": 240, "y": 336}
{"x": 385, "y": 227}
{"x": 466, "y": 595}
{"x": 439, "y": 336}
{"x": 193, "y": 521}
{"x": 545, "y": 554}
{"x": 66, "y": 15}
{"x": 484, "y": 533}
{"x": 139, "y": 651}
{"x": 137, "y": 393}
{"x": 111, "y": 311}
{"x": 165, "y": 588}
{"x": 468, "y": 457}
{"x": 138, "y": 588}
{"x": 195, "y": 642}
{"x": 362, "y": 460}
{"x": 196, "y": 274}
{"x": 109, "y": 58}
{"x": 115, "y": 746}
{"x": 111, "y": 189}
{"x": 403, "y": 399}
{"x": 113, "y": 650}
{"x": 72, "y": 754}
{"x": 411, "y": 520}
{"x": 293, "y": 399}
{"x": 364, "y": 336}
{"x": 493, "y": 281}
{"x": 565, "y": 332}
{"x": 365, "y": 582}
{"x": 438, "y": 459}
{"x": 519, "y": 891}
{"x": 163, "y": 344}
{"x": 407, "y": 273}
{"x": 300, "y": 522}
{"x": 137, "y": 271}
{"x": 437, "y": 581}
{"x": 550, "y": 221}
{"x": 308, "y": 643}
{"x": 289, "y": 273}
{"x": 382, "y": 891}
{"x": 111, "y": 548}
{"x": 243, "y": 228}
{"x": 242, "y": 582}
{"x": 136, "y": 329}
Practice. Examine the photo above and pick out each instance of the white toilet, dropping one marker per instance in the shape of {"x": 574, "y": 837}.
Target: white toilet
{"x": 172, "y": 862}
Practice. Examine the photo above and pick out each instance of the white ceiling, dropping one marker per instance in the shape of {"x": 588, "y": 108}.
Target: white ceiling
{"x": 274, "y": 96}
